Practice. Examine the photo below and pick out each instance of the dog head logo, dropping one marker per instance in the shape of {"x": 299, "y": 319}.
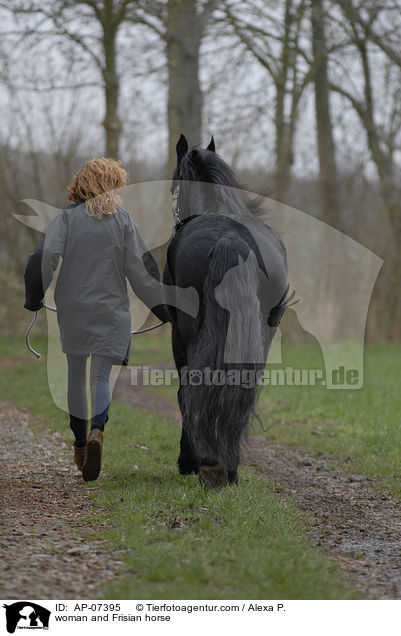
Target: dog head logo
{"x": 26, "y": 615}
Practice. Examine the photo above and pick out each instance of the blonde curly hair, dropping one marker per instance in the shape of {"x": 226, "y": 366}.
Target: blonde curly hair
{"x": 98, "y": 183}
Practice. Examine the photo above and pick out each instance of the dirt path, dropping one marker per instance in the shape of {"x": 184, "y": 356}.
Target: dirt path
{"x": 351, "y": 522}
{"x": 44, "y": 546}
{"x": 44, "y": 551}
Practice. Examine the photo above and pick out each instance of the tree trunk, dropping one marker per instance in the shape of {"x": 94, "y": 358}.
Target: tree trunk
{"x": 389, "y": 301}
{"x": 283, "y": 148}
{"x": 325, "y": 142}
{"x": 283, "y": 141}
{"x": 184, "y": 33}
{"x": 111, "y": 121}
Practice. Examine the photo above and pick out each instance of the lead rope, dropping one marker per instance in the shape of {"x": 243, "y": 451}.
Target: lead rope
{"x": 38, "y": 355}
{"x": 28, "y": 331}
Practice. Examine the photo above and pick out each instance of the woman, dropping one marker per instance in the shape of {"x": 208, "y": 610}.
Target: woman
{"x": 101, "y": 247}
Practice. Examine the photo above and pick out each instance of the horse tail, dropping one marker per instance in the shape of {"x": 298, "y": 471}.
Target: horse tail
{"x": 231, "y": 340}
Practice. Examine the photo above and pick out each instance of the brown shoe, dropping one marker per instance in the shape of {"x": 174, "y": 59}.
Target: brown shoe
{"x": 93, "y": 463}
{"x": 79, "y": 456}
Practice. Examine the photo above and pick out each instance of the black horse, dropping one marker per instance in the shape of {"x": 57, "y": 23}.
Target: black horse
{"x": 238, "y": 266}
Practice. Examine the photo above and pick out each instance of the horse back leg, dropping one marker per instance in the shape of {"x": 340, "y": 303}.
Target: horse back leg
{"x": 188, "y": 463}
{"x": 187, "y": 460}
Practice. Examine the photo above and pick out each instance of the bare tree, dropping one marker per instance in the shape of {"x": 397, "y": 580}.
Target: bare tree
{"x": 63, "y": 19}
{"x": 365, "y": 107}
{"x": 183, "y": 39}
{"x": 324, "y": 126}
{"x": 372, "y": 31}
{"x": 274, "y": 38}
{"x": 181, "y": 24}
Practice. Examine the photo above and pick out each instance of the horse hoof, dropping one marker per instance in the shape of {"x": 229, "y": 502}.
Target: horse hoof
{"x": 213, "y": 477}
{"x": 187, "y": 467}
{"x": 233, "y": 479}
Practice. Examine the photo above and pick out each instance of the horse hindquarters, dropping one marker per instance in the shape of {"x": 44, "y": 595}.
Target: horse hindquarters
{"x": 230, "y": 341}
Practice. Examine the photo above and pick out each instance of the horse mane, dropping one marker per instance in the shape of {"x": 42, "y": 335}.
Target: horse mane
{"x": 208, "y": 167}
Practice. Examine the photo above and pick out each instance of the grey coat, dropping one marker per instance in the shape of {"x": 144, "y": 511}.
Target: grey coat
{"x": 91, "y": 295}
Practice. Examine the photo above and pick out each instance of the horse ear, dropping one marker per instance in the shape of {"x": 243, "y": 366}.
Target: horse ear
{"x": 181, "y": 148}
{"x": 211, "y": 145}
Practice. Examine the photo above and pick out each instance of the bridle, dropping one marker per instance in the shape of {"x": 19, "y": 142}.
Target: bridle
{"x": 176, "y": 209}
